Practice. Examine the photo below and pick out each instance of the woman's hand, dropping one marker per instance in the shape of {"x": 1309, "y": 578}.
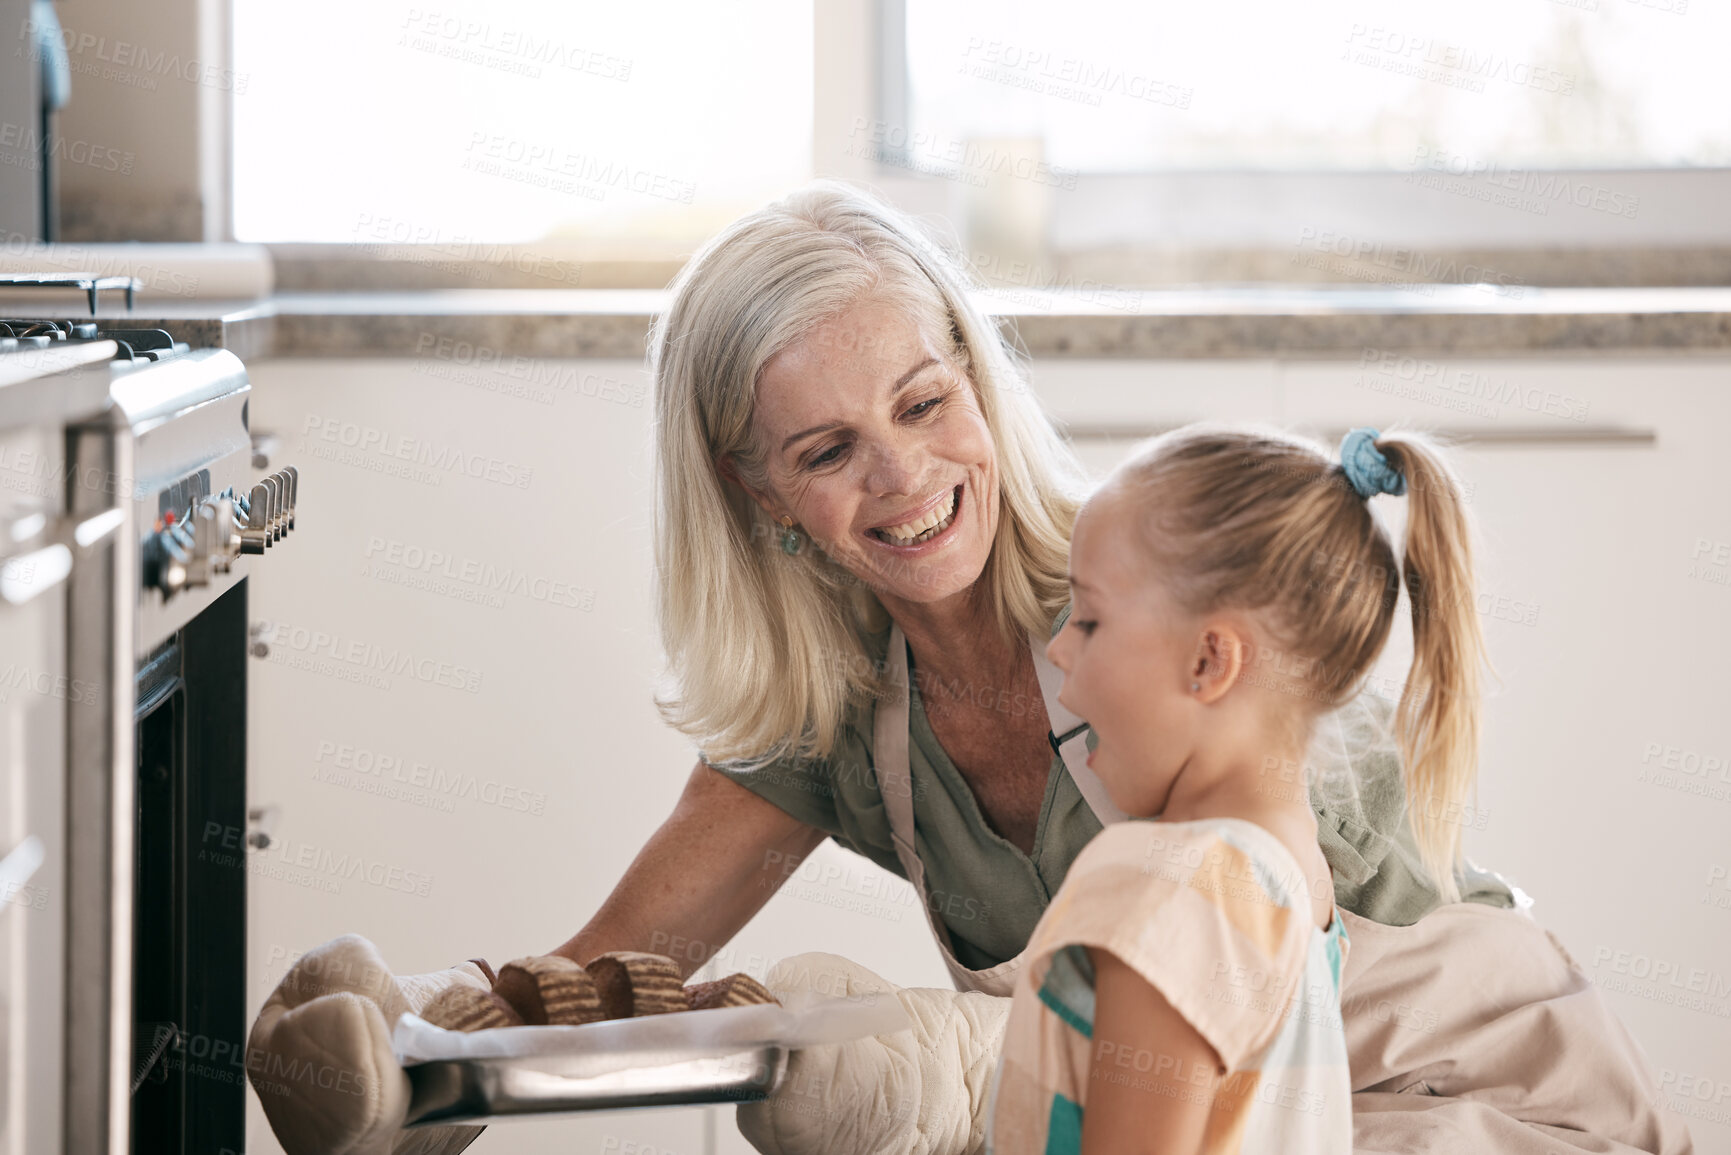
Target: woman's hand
{"x": 320, "y": 1056}
{"x": 717, "y": 859}
{"x": 1152, "y": 1079}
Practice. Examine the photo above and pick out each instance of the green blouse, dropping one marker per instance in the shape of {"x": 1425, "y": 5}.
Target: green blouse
{"x": 989, "y": 894}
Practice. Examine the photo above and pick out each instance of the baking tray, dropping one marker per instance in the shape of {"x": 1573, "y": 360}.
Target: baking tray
{"x": 720, "y": 1055}
{"x": 481, "y": 1090}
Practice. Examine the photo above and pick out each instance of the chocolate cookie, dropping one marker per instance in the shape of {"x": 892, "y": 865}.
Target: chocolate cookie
{"x": 736, "y": 990}
{"x": 464, "y": 1008}
{"x": 631, "y": 983}
{"x": 548, "y": 990}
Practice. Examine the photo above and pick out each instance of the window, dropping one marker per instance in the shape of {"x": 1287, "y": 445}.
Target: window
{"x": 1095, "y": 125}
{"x": 1038, "y": 130}
{"x": 642, "y": 128}
{"x": 1135, "y": 85}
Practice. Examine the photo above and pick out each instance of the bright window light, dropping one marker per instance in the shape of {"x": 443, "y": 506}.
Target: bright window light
{"x": 629, "y": 127}
{"x": 1140, "y": 85}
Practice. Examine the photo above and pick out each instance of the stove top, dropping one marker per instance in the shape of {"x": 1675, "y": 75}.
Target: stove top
{"x": 196, "y": 504}
{"x": 17, "y": 335}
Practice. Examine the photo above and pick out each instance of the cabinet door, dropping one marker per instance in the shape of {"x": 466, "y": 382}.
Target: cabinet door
{"x": 35, "y": 698}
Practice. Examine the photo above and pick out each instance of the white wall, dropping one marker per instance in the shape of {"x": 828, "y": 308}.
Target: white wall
{"x": 1624, "y": 650}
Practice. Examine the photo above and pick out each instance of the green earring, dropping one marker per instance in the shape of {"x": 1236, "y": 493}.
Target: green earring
{"x": 790, "y": 542}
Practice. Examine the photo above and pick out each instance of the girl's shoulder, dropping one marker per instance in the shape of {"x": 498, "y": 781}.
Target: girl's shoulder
{"x": 1212, "y": 913}
{"x": 1182, "y": 853}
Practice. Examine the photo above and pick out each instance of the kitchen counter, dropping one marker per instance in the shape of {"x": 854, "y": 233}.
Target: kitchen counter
{"x": 1246, "y": 322}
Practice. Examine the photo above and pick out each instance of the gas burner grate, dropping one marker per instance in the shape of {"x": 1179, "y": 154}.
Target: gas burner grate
{"x": 90, "y": 283}
{"x": 135, "y": 344}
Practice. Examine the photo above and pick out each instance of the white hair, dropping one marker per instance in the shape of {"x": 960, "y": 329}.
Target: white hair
{"x": 767, "y": 651}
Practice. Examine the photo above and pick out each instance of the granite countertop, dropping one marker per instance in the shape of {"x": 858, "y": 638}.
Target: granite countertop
{"x": 1215, "y": 322}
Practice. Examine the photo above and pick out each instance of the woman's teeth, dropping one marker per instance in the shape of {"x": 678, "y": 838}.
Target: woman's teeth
{"x": 925, "y": 528}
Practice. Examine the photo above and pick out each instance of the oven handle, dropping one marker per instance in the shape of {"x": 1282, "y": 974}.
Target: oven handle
{"x": 47, "y": 561}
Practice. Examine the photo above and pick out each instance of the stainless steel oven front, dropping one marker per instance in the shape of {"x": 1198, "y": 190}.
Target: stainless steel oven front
{"x": 139, "y": 817}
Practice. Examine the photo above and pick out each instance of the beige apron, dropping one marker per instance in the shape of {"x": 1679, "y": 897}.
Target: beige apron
{"x": 1068, "y": 736}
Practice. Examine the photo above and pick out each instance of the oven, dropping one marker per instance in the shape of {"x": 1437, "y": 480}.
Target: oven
{"x": 139, "y": 817}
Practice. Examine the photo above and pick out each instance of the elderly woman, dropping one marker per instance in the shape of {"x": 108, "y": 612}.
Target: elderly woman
{"x": 862, "y": 536}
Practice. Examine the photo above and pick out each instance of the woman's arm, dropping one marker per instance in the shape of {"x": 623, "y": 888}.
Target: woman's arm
{"x": 700, "y": 877}
{"x": 1151, "y": 1082}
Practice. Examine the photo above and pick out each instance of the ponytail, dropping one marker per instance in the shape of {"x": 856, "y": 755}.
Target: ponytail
{"x": 1438, "y": 719}
{"x": 1262, "y": 521}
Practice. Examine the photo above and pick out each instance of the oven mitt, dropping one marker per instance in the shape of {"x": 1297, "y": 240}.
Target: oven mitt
{"x": 320, "y": 1056}
{"x": 919, "y": 1092}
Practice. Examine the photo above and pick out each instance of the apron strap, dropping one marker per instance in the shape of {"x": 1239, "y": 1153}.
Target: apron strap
{"x": 890, "y": 736}
{"x": 1068, "y": 737}
{"x": 890, "y": 758}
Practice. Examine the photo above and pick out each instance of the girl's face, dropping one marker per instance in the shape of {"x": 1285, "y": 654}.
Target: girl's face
{"x": 1129, "y": 658}
{"x": 877, "y": 448}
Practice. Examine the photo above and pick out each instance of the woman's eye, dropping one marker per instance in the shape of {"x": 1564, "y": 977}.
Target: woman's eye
{"x": 1086, "y": 625}
{"x": 829, "y": 456}
{"x": 825, "y": 458}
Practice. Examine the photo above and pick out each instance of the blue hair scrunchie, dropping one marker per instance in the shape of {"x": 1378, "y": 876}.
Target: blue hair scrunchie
{"x": 1366, "y": 468}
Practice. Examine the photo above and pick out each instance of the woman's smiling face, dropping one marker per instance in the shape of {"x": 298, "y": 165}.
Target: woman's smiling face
{"x": 867, "y": 427}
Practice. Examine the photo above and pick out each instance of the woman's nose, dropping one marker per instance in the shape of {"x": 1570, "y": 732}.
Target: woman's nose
{"x": 895, "y": 470}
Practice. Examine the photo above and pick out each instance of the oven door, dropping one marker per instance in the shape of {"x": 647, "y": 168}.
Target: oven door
{"x": 189, "y": 887}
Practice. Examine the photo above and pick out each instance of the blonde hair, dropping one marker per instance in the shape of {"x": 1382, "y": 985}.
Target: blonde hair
{"x": 1268, "y": 524}
{"x": 767, "y": 651}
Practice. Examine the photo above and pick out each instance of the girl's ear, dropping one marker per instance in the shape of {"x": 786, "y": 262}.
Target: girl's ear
{"x": 1218, "y": 661}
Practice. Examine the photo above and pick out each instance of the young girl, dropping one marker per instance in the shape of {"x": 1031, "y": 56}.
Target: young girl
{"x": 1182, "y": 991}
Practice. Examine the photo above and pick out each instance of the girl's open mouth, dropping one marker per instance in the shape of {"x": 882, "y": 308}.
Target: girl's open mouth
{"x": 935, "y": 525}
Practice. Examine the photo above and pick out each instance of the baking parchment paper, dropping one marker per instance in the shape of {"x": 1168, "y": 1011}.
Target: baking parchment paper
{"x": 806, "y": 1019}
